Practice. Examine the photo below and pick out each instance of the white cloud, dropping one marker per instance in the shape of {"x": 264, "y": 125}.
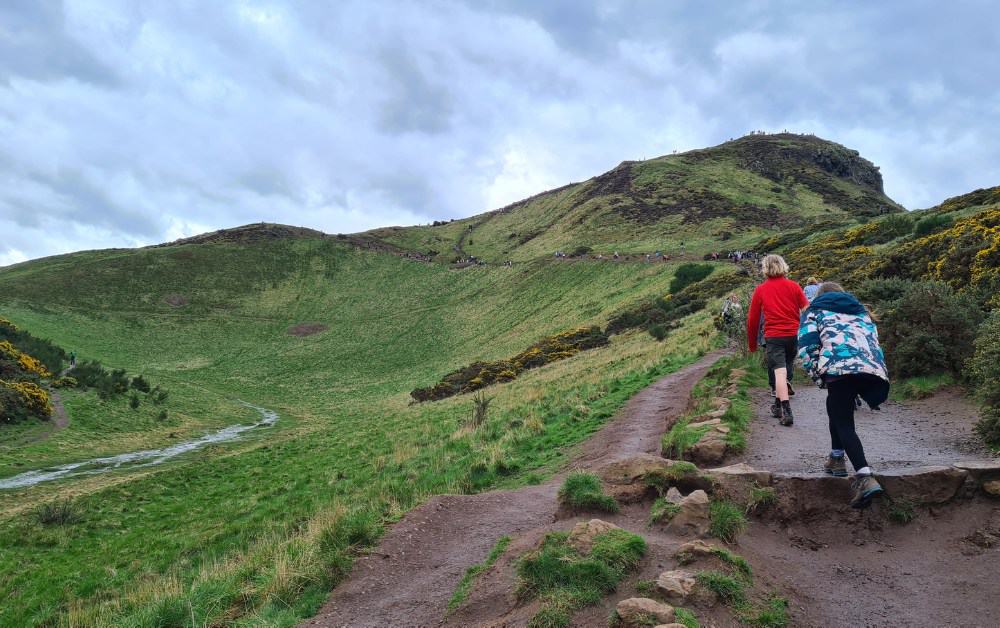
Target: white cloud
{"x": 136, "y": 122}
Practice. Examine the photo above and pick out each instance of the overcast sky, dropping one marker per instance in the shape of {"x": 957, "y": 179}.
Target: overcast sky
{"x": 129, "y": 123}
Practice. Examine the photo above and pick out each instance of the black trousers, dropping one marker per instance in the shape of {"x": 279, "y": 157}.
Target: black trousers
{"x": 841, "y": 393}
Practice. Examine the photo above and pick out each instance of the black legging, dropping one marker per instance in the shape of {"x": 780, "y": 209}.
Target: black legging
{"x": 840, "y": 397}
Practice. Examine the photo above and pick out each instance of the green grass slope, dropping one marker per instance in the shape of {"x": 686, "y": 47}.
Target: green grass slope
{"x": 691, "y": 203}
{"x": 258, "y": 530}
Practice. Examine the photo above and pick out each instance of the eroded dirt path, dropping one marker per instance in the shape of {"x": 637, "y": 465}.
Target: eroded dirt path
{"x": 409, "y": 579}
{"x": 934, "y": 431}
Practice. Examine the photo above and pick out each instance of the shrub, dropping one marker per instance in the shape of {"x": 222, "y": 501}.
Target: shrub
{"x": 50, "y": 355}
{"x": 133, "y": 401}
{"x": 932, "y": 223}
{"x": 658, "y": 331}
{"x": 480, "y": 406}
{"x": 62, "y": 512}
{"x": 162, "y": 416}
{"x": 984, "y": 372}
{"x": 931, "y": 330}
{"x": 583, "y": 490}
{"x": 688, "y": 274}
{"x": 727, "y": 521}
{"x": 580, "y": 251}
{"x": 139, "y": 383}
{"x": 21, "y": 400}
{"x": 159, "y": 395}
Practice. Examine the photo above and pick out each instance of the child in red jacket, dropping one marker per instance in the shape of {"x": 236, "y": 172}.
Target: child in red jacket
{"x": 781, "y": 300}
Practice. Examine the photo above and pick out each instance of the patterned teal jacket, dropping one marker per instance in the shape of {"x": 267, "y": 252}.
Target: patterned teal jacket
{"x": 837, "y": 337}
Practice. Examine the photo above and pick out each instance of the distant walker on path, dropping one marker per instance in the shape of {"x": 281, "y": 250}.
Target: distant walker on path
{"x": 838, "y": 345}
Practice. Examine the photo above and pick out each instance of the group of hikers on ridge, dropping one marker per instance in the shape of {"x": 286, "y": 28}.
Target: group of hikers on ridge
{"x": 835, "y": 338}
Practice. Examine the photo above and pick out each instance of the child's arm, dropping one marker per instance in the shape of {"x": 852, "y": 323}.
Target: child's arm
{"x": 810, "y": 345}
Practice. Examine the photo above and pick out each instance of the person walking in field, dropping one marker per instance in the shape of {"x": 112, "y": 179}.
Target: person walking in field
{"x": 838, "y": 346}
{"x": 781, "y": 300}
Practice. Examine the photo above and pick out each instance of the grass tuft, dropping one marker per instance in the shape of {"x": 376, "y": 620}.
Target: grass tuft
{"x": 465, "y": 584}
{"x": 62, "y": 512}
{"x": 761, "y": 497}
{"x": 663, "y": 479}
{"x": 686, "y": 617}
{"x": 663, "y": 511}
{"x": 583, "y": 490}
{"x": 737, "y": 561}
{"x": 901, "y": 510}
{"x": 773, "y": 615}
{"x": 728, "y": 521}
{"x": 731, "y": 591}
{"x": 565, "y": 580}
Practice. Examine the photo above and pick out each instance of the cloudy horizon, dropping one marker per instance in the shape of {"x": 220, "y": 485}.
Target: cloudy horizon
{"x": 133, "y": 123}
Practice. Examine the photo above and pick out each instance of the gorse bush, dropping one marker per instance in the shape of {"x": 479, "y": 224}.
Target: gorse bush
{"x": 931, "y": 329}
{"x": 984, "y": 373}
{"x": 49, "y": 354}
{"x": 932, "y": 223}
{"x": 688, "y": 274}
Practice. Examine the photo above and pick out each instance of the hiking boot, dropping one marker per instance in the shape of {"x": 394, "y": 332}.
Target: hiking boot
{"x": 776, "y": 409}
{"x": 863, "y": 489}
{"x": 791, "y": 391}
{"x": 836, "y": 466}
{"x": 857, "y": 402}
{"x": 786, "y": 418}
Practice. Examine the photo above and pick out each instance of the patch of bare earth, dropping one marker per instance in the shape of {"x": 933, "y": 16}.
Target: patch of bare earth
{"x": 410, "y": 578}
{"x": 176, "y": 300}
{"x": 306, "y": 329}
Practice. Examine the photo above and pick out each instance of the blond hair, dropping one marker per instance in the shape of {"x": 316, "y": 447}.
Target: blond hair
{"x": 812, "y": 281}
{"x": 774, "y": 266}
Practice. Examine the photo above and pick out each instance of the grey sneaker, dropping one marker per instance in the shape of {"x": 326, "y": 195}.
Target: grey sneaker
{"x": 836, "y": 466}
{"x": 863, "y": 489}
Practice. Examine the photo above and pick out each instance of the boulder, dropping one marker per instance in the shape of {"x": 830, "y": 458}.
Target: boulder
{"x": 710, "y": 449}
{"x": 581, "y": 537}
{"x": 693, "y": 550}
{"x": 674, "y": 495}
{"x": 681, "y": 587}
{"x": 637, "y": 611}
{"x": 992, "y": 487}
{"x": 693, "y": 517}
{"x": 981, "y": 471}
{"x": 924, "y": 485}
{"x": 625, "y": 480}
{"x": 735, "y": 481}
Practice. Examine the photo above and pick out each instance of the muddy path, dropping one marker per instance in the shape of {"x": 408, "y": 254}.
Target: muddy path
{"x": 934, "y": 431}
{"x": 411, "y": 576}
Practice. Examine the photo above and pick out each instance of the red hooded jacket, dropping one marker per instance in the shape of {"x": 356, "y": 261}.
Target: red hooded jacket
{"x": 781, "y": 300}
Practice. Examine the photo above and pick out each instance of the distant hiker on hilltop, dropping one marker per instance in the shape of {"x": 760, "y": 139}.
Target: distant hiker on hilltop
{"x": 812, "y": 287}
{"x": 781, "y": 300}
{"x": 72, "y": 359}
{"x": 839, "y": 348}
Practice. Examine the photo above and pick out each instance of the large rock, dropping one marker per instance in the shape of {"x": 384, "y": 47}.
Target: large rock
{"x": 625, "y": 480}
{"x": 925, "y": 485}
{"x": 693, "y": 517}
{"x": 581, "y": 537}
{"x": 992, "y": 487}
{"x": 735, "y": 481}
{"x": 693, "y": 550}
{"x": 637, "y": 611}
{"x": 710, "y": 449}
{"x": 680, "y": 587}
{"x": 981, "y": 471}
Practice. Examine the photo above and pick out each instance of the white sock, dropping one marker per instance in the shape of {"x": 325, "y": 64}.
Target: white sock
{"x": 864, "y": 471}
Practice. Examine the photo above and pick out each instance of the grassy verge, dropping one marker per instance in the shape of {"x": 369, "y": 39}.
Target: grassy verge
{"x": 921, "y": 387}
{"x": 465, "y": 584}
{"x": 715, "y": 385}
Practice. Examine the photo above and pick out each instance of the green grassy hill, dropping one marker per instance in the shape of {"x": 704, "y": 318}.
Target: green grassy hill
{"x": 257, "y": 531}
{"x": 727, "y": 196}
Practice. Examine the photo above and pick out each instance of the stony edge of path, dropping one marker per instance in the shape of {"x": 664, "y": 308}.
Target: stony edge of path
{"x": 409, "y": 579}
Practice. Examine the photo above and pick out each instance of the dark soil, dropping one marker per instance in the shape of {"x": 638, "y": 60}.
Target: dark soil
{"x": 410, "y": 578}
{"x": 176, "y": 300}
{"x": 934, "y": 431}
{"x": 306, "y": 329}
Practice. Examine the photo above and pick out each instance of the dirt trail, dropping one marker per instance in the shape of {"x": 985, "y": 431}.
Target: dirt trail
{"x": 934, "y": 431}
{"x": 412, "y": 575}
